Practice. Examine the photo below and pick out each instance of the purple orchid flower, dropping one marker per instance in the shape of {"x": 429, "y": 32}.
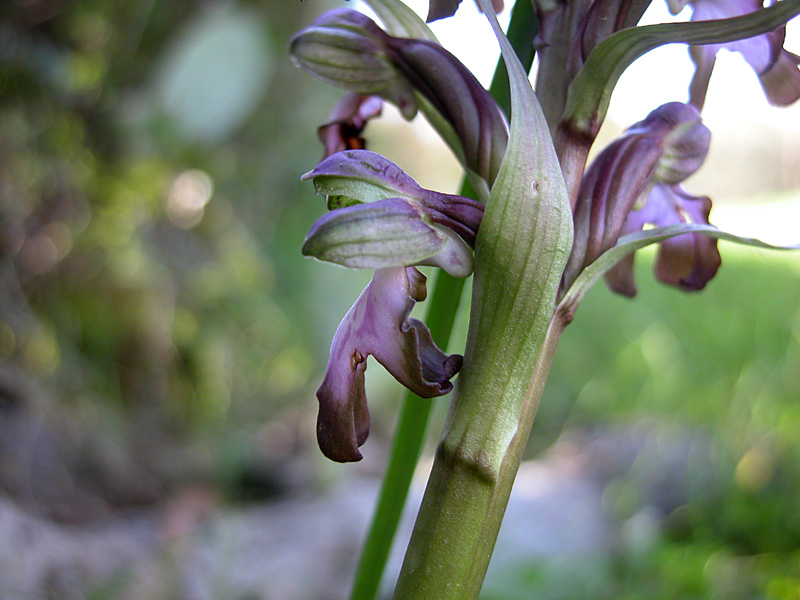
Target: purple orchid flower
{"x": 378, "y": 324}
{"x": 369, "y": 177}
{"x": 634, "y": 182}
{"x": 383, "y": 220}
{"x": 777, "y": 69}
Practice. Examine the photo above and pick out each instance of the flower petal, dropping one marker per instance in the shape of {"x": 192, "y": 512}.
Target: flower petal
{"x": 378, "y": 324}
{"x": 781, "y": 82}
{"x": 691, "y": 260}
{"x": 347, "y": 120}
{"x": 389, "y": 233}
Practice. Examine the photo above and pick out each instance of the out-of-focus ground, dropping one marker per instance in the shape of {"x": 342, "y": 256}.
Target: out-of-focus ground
{"x": 161, "y": 339}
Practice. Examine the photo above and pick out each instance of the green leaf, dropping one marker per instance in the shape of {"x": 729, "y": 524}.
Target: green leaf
{"x": 400, "y": 21}
{"x": 522, "y": 248}
{"x": 635, "y": 241}
{"x": 590, "y": 91}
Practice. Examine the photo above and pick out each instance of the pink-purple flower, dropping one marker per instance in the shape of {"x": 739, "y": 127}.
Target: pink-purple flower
{"x": 777, "y": 68}
{"x": 382, "y": 219}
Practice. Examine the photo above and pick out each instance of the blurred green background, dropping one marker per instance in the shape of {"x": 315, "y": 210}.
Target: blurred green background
{"x": 161, "y": 337}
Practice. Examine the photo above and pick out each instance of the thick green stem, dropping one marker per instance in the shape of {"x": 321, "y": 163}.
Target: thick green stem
{"x": 414, "y": 412}
{"x": 467, "y": 493}
{"x": 521, "y": 251}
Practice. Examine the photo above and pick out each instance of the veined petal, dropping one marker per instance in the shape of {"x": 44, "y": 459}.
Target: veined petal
{"x": 347, "y": 49}
{"x": 388, "y": 233}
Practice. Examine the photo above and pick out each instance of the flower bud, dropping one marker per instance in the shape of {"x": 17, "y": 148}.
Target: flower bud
{"x": 347, "y": 49}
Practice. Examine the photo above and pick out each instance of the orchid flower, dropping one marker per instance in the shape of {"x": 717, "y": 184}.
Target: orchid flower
{"x": 634, "y": 182}
{"x": 347, "y": 49}
{"x": 383, "y": 220}
{"x": 777, "y": 69}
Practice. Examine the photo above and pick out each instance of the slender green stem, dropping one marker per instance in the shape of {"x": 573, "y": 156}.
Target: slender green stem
{"x": 414, "y": 411}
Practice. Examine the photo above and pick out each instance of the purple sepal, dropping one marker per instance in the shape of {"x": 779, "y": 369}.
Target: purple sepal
{"x": 378, "y": 324}
{"x": 687, "y": 261}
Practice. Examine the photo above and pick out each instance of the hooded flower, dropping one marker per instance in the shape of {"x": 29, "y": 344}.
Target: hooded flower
{"x": 669, "y": 145}
{"x": 635, "y": 182}
{"x": 347, "y": 49}
{"x": 777, "y": 69}
{"x": 687, "y": 261}
{"x": 383, "y": 220}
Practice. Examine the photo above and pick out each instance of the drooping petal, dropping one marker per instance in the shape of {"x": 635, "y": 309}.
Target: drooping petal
{"x": 619, "y": 278}
{"x": 346, "y": 122}
{"x": 368, "y": 177}
{"x": 781, "y": 82}
{"x": 687, "y": 261}
{"x": 378, "y": 324}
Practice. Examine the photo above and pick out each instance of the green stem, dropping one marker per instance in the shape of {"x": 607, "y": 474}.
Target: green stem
{"x": 466, "y": 497}
{"x": 414, "y": 411}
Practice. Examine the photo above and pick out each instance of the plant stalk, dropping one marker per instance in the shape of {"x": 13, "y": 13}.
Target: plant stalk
{"x": 414, "y": 411}
{"x": 466, "y": 497}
